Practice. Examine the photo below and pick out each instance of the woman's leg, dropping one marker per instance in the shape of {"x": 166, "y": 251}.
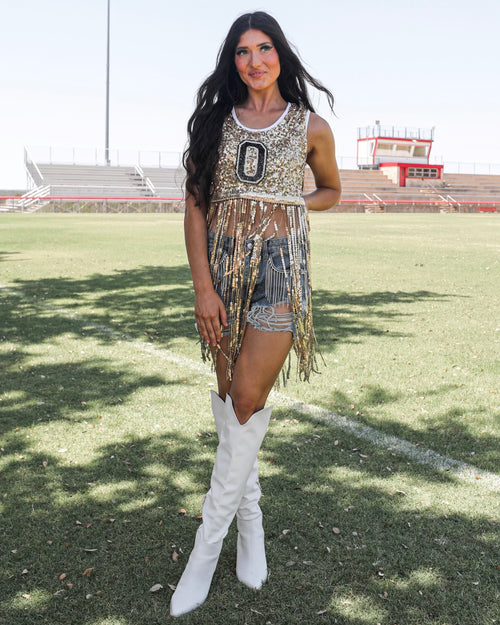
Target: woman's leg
{"x": 256, "y": 376}
{"x": 236, "y": 453}
{"x": 259, "y": 363}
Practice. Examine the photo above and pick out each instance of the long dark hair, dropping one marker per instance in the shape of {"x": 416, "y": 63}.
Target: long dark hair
{"x": 224, "y": 89}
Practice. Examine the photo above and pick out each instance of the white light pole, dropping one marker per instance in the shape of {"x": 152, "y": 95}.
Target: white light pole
{"x": 106, "y": 144}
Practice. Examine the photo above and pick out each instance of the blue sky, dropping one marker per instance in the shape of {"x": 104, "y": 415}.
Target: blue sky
{"x": 426, "y": 63}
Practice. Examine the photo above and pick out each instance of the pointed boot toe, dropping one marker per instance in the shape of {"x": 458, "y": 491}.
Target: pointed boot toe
{"x": 193, "y": 587}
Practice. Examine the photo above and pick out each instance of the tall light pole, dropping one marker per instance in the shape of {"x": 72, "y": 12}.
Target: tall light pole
{"x": 106, "y": 145}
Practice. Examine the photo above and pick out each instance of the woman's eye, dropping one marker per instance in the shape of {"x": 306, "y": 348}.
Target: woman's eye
{"x": 266, "y": 48}
{"x": 240, "y": 52}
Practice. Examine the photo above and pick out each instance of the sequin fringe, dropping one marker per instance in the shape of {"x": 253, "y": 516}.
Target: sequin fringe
{"x": 257, "y": 219}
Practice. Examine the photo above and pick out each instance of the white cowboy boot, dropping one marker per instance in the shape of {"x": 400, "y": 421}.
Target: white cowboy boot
{"x": 251, "y": 564}
{"x": 236, "y": 453}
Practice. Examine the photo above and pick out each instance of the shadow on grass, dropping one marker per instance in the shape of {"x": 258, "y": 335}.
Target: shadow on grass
{"x": 62, "y": 391}
{"x": 449, "y": 432}
{"x": 6, "y": 256}
{"x": 157, "y": 302}
{"x": 149, "y": 302}
{"x": 154, "y": 304}
{"x": 395, "y": 559}
{"x": 346, "y": 317}
{"x": 125, "y": 305}
{"x": 392, "y": 560}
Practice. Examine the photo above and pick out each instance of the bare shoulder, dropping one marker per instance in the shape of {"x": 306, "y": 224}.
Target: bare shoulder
{"x": 319, "y": 133}
{"x": 318, "y": 126}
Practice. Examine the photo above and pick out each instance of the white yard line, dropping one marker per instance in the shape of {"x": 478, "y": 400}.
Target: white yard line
{"x": 400, "y": 446}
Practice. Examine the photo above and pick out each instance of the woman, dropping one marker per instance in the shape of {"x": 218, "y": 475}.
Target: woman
{"x": 247, "y": 242}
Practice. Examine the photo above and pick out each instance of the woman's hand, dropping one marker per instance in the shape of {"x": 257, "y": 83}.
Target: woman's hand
{"x": 209, "y": 310}
{"x": 210, "y": 316}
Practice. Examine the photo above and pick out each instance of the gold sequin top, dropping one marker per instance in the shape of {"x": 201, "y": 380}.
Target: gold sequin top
{"x": 266, "y": 162}
{"x": 257, "y": 195}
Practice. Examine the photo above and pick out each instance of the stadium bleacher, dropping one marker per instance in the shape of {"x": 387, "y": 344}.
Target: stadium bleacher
{"x": 111, "y": 181}
{"x": 472, "y": 187}
{"x": 168, "y": 181}
{"x": 362, "y": 189}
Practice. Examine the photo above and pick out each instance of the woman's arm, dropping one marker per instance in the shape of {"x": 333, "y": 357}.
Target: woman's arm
{"x": 321, "y": 160}
{"x": 208, "y": 307}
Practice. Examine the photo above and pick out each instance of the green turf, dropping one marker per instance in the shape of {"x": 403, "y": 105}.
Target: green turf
{"x": 106, "y": 433}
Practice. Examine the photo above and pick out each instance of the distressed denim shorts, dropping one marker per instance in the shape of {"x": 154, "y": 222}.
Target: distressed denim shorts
{"x": 270, "y": 304}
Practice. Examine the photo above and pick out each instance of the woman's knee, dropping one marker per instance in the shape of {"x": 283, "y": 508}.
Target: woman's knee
{"x": 245, "y": 405}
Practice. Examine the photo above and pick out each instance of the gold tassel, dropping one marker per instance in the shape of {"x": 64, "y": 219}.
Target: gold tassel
{"x": 254, "y": 219}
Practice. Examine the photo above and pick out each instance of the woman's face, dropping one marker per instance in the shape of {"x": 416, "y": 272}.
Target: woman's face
{"x": 257, "y": 61}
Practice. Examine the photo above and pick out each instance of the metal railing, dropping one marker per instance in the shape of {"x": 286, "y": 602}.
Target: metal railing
{"x": 449, "y": 167}
{"x": 147, "y": 181}
{"x": 32, "y": 197}
{"x": 95, "y": 156}
{"x": 164, "y": 159}
{"x": 32, "y": 203}
{"x": 458, "y": 167}
{"x": 396, "y": 132}
{"x": 32, "y": 168}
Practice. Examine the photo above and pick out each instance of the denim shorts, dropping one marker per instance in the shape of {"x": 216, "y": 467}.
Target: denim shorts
{"x": 270, "y": 303}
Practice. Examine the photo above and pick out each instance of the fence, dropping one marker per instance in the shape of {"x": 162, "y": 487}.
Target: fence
{"x": 163, "y": 158}
{"x": 449, "y": 167}
{"x": 396, "y": 132}
{"x": 96, "y": 156}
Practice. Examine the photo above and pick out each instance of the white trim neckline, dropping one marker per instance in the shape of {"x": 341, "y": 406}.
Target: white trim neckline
{"x": 278, "y": 121}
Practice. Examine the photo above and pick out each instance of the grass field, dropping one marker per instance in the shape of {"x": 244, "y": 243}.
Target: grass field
{"x": 381, "y": 489}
